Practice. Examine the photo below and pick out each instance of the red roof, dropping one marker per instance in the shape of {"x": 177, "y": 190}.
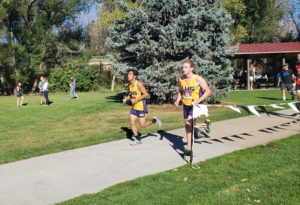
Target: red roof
{"x": 268, "y": 48}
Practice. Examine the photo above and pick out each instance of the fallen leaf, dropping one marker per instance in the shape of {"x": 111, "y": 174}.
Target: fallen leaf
{"x": 257, "y": 201}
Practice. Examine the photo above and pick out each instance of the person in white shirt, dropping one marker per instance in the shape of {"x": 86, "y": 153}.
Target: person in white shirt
{"x": 46, "y": 90}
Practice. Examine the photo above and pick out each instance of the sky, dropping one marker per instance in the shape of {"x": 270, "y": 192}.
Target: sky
{"x": 88, "y": 16}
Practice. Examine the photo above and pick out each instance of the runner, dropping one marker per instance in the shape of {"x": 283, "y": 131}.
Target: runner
{"x": 189, "y": 93}
{"x": 137, "y": 99}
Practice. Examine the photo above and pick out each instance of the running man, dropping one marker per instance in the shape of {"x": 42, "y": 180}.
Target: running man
{"x": 190, "y": 87}
{"x": 137, "y": 99}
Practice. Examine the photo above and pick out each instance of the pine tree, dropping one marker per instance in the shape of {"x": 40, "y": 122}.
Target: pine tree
{"x": 159, "y": 35}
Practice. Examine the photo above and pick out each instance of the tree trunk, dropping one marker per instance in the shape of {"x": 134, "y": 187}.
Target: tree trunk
{"x": 113, "y": 82}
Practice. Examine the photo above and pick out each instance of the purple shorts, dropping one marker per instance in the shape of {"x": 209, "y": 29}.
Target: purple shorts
{"x": 187, "y": 111}
{"x": 140, "y": 113}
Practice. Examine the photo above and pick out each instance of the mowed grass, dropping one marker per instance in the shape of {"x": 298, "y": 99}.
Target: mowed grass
{"x": 94, "y": 118}
{"x": 267, "y": 174}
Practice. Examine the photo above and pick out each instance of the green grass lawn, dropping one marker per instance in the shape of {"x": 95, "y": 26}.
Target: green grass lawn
{"x": 95, "y": 118}
{"x": 267, "y": 174}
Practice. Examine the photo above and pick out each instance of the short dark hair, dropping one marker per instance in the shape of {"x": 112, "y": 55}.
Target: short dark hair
{"x": 134, "y": 71}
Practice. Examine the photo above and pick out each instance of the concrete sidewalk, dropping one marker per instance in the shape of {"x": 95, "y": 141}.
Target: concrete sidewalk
{"x": 62, "y": 176}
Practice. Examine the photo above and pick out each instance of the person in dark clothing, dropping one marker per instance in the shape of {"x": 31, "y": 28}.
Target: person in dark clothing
{"x": 286, "y": 80}
{"x": 19, "y": 94}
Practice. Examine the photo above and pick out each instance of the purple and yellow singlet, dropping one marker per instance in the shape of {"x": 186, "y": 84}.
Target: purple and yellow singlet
{"x": 191, "y": 91}
{"x": 134, "y": 94}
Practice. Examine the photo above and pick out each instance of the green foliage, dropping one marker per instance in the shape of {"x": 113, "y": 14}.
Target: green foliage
{"x": 266, "y": 174}
{"x": 84, "y": 74}
{"x": 38, "y": 34}
{"x": 262, "y": 18}
{"x": 157, "y": 36}
{"x": 237, "y": 10}
{"x": 107, "y": 16}
{"x": 95, "y": 118}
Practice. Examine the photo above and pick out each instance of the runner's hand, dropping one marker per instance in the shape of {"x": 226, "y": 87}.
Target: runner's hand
{"x": 133, "y": 101}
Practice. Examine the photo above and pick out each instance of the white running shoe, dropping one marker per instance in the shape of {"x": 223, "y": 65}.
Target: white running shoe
{"x": 157, "y": 121}
{"x": 136, "y": 142}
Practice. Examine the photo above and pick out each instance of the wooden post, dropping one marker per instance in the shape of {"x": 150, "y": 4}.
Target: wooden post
{"x": 283, "y": 61}
{"x": 113, "y": 82}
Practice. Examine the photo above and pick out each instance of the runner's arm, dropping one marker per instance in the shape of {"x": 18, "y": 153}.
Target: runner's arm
{"x": 125, "y": 98}
{"x": 207, "y": 92}
{"x": 144, "y": 94}
{"x": 179, "y": 95}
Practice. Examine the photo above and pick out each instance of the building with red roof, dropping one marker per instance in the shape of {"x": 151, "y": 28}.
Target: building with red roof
{"x": 250, "y": 52}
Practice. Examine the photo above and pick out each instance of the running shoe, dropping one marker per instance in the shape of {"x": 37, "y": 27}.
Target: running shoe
{"x": 135, "y": 142}
{"x": 157, "y": 121}
{"x": 207, "y": 129}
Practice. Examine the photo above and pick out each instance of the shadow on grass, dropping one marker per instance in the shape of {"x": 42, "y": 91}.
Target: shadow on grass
{"x": 116, "y": 98}
{"x": 270, "y": 98}
{"x": 245, "y": 109}
{"x": 264, "y": 110}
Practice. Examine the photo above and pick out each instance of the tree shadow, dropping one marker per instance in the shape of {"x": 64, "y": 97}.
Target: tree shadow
{"x": 176, "y": 141}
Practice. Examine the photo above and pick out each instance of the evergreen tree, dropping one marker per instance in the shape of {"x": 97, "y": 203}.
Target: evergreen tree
{"x": 109, "y": 12}
{"x": 263, "y": 20}
{"x": 159, "y": 35}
